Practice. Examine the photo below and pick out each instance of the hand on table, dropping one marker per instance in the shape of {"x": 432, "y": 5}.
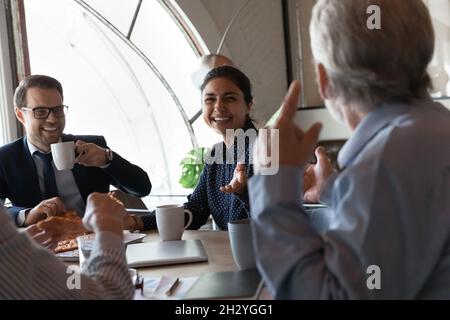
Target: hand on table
{"x": 47, "y": 208}
{"x": 41, "y": 237}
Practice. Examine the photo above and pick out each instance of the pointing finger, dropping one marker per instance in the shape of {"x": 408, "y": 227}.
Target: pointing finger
{"x": 290, "y": 103}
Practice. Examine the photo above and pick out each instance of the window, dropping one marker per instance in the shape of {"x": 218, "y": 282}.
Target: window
{"x": 7, "y": 118}
{"x": 125, "y": 68}
{"x": 440, "y": 65}
{"x": 298, "y": 16}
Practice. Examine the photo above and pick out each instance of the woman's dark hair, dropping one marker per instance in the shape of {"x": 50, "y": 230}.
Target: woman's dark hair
{"x": 234, "y": 75}
{"x": 35, "y": 81}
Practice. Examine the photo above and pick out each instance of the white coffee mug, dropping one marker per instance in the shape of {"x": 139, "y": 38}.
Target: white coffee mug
{"x": 170, "y": 221}
{"x": 63, "y": 154}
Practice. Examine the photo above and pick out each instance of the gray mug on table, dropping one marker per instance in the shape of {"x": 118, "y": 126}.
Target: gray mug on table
{"x": 240, "y": 234}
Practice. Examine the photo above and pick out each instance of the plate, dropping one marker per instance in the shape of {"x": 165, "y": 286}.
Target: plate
{"x": 73, "y": 256}
{"x": 69, "y": 256}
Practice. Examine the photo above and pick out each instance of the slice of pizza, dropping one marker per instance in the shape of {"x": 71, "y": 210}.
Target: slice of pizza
{"x": 66, "y": 245}
{"x": 64, "y": 229}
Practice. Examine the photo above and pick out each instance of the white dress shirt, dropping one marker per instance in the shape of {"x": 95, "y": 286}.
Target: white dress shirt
{"x": 67, "y": 187}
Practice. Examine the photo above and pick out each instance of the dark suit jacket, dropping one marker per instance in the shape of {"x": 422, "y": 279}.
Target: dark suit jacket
{"x": 19, "y": 181}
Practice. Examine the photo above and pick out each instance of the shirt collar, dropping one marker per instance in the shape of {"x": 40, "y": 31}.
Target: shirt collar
{"x": 249, "y": 125}
{"x": 382, "y": 115}
{"x": 32, "y": 148}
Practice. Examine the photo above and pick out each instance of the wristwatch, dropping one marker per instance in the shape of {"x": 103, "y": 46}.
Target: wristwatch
{"x": 109, "y": 156}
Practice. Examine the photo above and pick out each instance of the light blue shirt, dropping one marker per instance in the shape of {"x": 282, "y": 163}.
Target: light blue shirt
{"x": 67, "y": 187}
{"x": 389, "y": 209}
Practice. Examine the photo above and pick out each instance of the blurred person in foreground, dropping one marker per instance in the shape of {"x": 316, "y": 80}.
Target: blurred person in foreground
{"x": 388, "y": 237}
{"x": 28, "y": 271}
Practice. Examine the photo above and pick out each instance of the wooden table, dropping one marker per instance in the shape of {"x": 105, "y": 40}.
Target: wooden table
{"x": 217, "y": 247}
{"x": 220, "y": 258}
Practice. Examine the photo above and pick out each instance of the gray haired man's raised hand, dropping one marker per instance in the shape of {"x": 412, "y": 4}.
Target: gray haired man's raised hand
{"x": 295, "y": 146}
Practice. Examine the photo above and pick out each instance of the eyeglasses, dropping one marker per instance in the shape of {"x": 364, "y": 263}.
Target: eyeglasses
{"x": 44, "y": 112}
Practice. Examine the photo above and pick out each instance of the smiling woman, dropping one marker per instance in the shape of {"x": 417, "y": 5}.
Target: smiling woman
{"x": 224, "y": 104}
{"x": 222, "y": 189}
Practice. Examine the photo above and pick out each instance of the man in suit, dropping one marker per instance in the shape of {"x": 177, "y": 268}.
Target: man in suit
{"x": 28, "y": 177}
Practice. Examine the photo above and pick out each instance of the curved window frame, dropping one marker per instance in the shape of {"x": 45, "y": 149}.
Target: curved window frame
{"x": 189, "y": 35}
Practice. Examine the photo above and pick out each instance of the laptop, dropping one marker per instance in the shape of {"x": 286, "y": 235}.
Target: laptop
{"x": 244, "y": 284}
{"x": 159, "y": 253}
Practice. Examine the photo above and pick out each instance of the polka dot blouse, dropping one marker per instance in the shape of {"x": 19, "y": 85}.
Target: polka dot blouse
{"x": 207, "y": 199}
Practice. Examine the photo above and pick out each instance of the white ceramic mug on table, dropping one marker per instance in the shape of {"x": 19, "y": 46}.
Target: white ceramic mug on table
{"x": 171, "y": 222}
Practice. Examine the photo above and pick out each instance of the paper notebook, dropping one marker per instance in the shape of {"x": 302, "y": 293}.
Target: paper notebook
{"x": 245, "y": 284}
{"x": 165, "y": 252}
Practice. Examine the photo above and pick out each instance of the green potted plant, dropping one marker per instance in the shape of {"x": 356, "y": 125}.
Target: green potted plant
{"x": 192, "y": 166}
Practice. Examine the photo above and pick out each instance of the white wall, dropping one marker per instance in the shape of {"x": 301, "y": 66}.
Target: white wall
{"x": 331, "y": 130}
{"x": 255, "y": 43}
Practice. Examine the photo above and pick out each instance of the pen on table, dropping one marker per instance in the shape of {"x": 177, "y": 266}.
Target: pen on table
{"x": 171, "y": 289}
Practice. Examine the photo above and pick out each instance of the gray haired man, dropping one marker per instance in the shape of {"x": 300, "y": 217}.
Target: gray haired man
{"x": 390, "y": 207}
